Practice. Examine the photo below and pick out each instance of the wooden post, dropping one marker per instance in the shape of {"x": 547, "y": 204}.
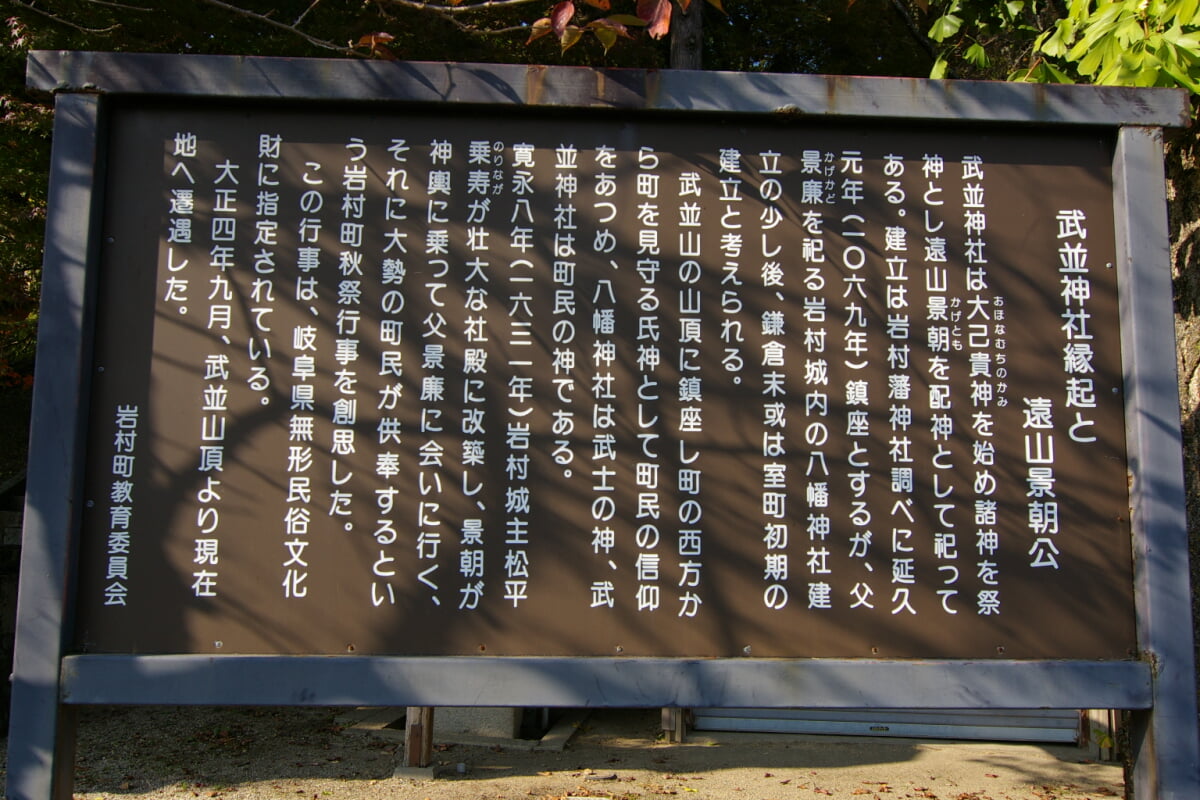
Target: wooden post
{"x": 418, "y": 736}
{"x": 674, "y": 724}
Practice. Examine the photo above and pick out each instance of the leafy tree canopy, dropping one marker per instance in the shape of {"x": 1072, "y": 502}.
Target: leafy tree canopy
{"x": 1116, "y": 42}
{"x": 821, "y": 35}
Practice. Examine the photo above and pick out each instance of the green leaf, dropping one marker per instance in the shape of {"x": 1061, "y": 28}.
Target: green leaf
{"x": 1184, "y": 41}
{"x": 604, "y": 26}
{"x": 945, "y": 27}
{"x": 1110, "y": 12}
{"x": 1134, "y": 60}
{"x": 1093, "y": 36}
{"x": 1129, "y": 31}
{"x": 607, "y": 37}
{"x": 938, "y": 72}
{"x": 977, "y": 55}
{"x": 628, "y": 20}
{"x": 1055, "y": 75}
{"x": 1014, "y": 7}
{"x": 1079, "y": 9}
{"x": 1091, "y": 61}
{"x": 1189, "y": 12}
{"x": 1057, "y": 41}
{"x": 570, "y": 37}
{"x": 1190, "y": 81}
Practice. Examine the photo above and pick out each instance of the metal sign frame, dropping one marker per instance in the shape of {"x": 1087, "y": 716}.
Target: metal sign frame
{"x": 49, "y": 683}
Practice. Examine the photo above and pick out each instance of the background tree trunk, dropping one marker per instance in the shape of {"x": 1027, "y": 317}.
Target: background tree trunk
{"x": 686, "y": 37}
{"x": 1183, "y": 206}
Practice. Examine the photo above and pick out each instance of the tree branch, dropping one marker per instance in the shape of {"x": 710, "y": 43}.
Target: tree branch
{"x": 311, "y": 6}
{"x": 916, "y": 32}
{"x": 313, "y": 40}
{"x": 497, "y": 31}
{"x": 484, "y": 5}
{"x": 62, "y": 21}
{"x": 121, "y": 6}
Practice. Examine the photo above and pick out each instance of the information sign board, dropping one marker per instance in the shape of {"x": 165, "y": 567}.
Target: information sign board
{"x": 369, "y": 383}
{"x": 560, "y": 385}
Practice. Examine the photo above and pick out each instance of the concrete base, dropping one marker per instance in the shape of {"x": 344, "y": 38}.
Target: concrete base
{"x": 384, "y": 723}
{"x": 491, "y": 723}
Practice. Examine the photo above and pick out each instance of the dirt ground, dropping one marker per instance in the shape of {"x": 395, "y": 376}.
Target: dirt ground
{"x": 327, "y": 754}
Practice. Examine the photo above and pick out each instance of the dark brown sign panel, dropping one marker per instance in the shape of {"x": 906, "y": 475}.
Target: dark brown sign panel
{"x": 582, "y": 384}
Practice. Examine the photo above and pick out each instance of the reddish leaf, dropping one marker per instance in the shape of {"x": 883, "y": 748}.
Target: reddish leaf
{"x": 560, "y": 15}
{"x": 717, "y": 5}
{"x": 603, "y": 5}
{"x": 683, "y": 4}
{"x": 540, "y": 29}
{"x": 376, "y": 44}
{"x": 373, "y": 40}
{"x": 657, "y": 14}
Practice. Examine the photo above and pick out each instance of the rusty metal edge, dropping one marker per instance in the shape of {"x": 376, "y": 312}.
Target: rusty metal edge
{"x": 800, "y": 96}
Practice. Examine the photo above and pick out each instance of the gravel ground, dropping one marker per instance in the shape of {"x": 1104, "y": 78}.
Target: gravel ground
{"x": 322, "y": 754}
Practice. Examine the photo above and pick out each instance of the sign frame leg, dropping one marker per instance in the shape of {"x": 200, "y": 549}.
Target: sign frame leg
{"x": 1165, "y": 740}
{"x": 418, "y": 736}
{"x": 41, "y": 742}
